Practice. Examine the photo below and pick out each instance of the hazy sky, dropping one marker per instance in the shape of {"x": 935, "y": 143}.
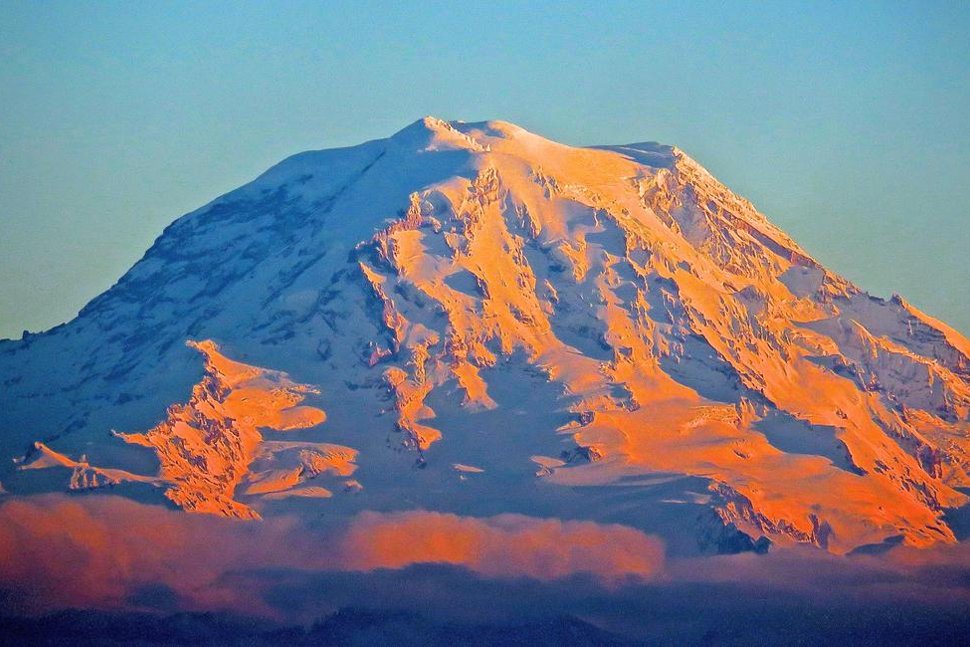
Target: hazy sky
{"x": 848, "y": 124}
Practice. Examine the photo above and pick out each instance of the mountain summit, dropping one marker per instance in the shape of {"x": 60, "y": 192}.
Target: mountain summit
{"x": 468, "y": 317}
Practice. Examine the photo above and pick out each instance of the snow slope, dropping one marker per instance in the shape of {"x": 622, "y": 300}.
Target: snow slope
{"x": 494, "y": 322}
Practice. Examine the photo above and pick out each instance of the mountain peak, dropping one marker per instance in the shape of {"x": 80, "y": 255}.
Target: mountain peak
{"x": 433, "y": 134}
{"x": 426, "y": 124}
{"x": 462, "y": 309}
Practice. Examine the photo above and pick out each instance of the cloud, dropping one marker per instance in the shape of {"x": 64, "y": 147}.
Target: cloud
{"x": 505, "y": 546}
{"x": 112, "y": 553}
{"x": 59, "y": 552}
{"x": 108, "y": 553}
{"x": 927, "y": 576}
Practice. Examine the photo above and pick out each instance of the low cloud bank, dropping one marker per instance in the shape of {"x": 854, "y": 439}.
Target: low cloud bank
{"x": 106, "y": 553}
{"x": 112, "y": 553}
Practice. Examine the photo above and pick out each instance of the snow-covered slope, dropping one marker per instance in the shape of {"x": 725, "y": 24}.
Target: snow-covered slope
{"x": 469, "y": 317}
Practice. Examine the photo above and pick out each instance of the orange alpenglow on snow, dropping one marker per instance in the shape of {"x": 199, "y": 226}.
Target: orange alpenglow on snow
{"x": 434, "y": 283}
{"x": 207, "y": 446}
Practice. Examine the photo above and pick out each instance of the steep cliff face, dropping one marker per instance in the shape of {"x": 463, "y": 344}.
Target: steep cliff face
{"x": 476, "y": 296}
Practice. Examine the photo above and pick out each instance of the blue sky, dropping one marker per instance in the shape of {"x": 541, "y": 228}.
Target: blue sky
{"x": 847, "y": 123}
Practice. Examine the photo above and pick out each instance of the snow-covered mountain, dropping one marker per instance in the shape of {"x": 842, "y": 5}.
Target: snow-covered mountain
{"x": 467, "y": 317}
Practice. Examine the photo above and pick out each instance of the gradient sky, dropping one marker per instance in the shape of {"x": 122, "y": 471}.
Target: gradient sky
{"x": 848, "y": 124}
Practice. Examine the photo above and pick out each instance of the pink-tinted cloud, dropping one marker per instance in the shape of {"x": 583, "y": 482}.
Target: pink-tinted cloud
{"x": 100, "y": 552}
{"x": 107, "y": 552}
{"x": 96, "y": 552}
{"x": 504, "y": 546}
